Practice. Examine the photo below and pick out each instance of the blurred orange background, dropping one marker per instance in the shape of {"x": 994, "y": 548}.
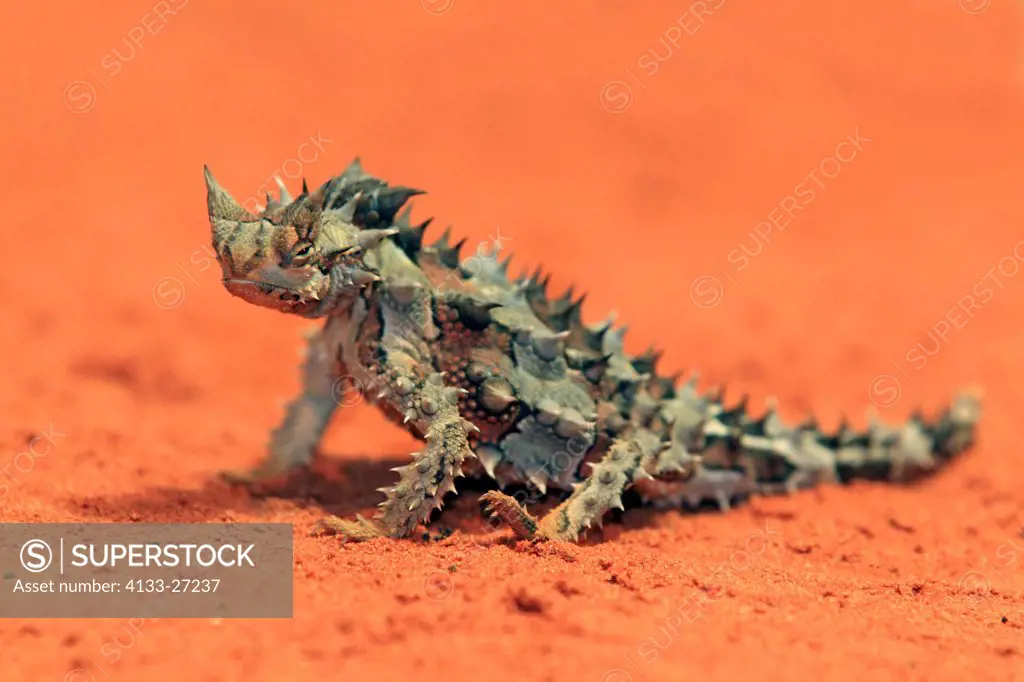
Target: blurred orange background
{"x": 657, "y": 155}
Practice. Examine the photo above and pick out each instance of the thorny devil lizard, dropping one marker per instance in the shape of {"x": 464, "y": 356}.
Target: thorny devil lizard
{"x": 499, "y": 379}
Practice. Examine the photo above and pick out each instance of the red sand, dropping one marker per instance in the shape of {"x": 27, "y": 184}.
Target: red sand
{"x": 118, "y": 334}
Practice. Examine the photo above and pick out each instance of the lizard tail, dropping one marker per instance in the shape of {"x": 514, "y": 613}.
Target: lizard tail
{"x": 741, "y": 456}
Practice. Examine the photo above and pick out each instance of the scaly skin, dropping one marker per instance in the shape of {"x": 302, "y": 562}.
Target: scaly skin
{"x": 499, "y": 380}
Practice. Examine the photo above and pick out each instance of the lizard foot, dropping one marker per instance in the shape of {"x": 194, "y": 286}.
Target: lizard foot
{"x": 259, "y": 474}
{"x": 358, "y": 530}
{"x": 498, "y": 505}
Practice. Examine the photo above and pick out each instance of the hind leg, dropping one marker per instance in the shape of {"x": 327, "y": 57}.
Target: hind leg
{"x": 627, "y": 462}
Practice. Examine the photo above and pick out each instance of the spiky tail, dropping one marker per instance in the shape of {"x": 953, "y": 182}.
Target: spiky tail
{"x": 741, "y": 455}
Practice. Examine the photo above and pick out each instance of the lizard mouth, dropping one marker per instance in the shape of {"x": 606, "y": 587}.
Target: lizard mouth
{"x": 269, "y": 295}
{"x": 264, "y": 288}
{"x": 307, "y": 301}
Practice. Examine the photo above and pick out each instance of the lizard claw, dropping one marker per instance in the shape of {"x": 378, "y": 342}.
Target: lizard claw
{"x": 358, "y": 530}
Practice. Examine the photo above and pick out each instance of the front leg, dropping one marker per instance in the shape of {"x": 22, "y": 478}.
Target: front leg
{"x": 433, "y": 409}
{"x": 294, "y": 442}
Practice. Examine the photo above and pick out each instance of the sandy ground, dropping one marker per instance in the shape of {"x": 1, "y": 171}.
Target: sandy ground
{"x": 652, "y": 156}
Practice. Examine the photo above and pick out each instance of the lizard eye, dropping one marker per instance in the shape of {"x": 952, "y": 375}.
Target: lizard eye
{"x": 301, "y": 254}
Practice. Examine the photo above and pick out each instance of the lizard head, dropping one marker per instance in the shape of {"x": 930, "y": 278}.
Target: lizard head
{"x": 296, "y": 256}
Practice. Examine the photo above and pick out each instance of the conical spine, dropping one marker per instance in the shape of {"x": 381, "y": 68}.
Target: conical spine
{"x": 738, "y": 454}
